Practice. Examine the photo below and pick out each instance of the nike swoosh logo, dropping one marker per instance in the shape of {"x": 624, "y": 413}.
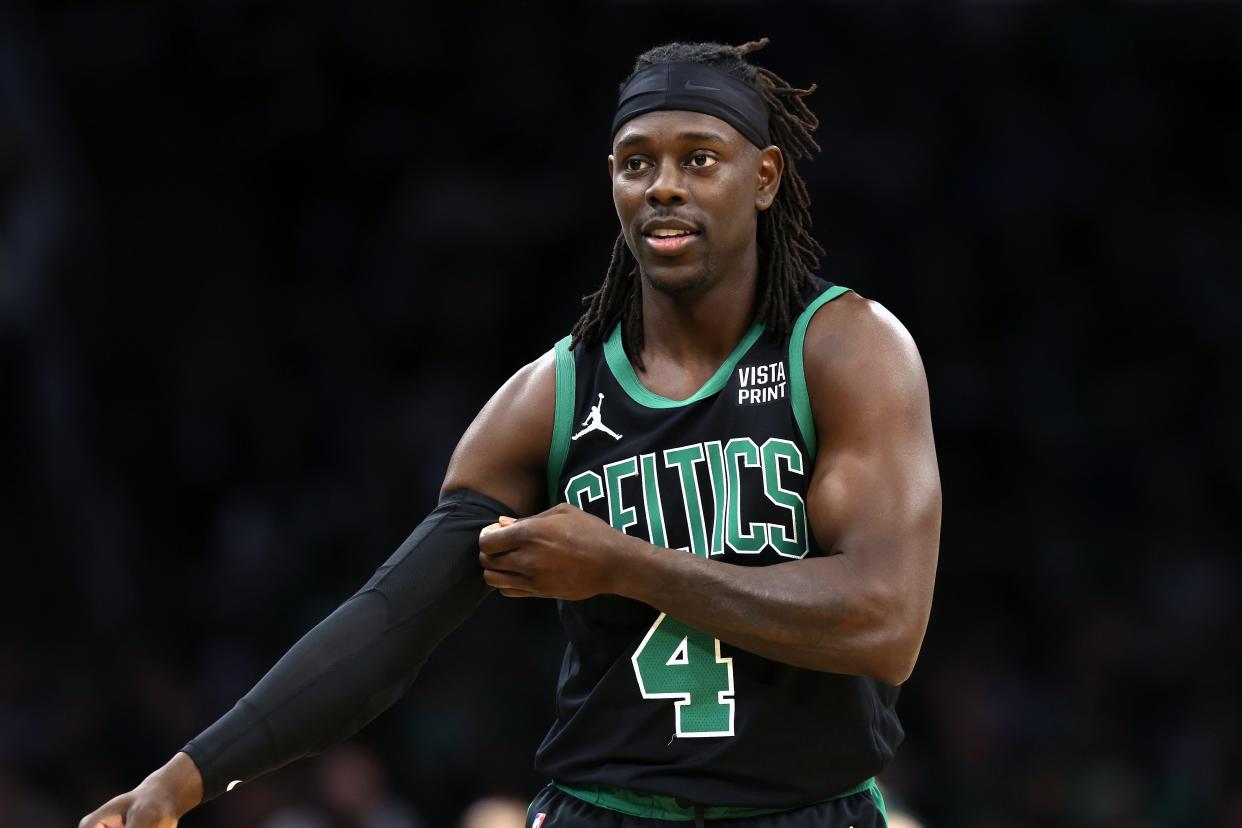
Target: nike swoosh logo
{"x": 693, "y": 85}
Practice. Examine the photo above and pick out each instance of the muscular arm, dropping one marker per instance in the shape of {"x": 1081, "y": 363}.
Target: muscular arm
{"x": 873, "y": 504}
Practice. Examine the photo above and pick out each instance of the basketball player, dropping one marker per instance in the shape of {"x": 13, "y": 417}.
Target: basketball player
{"x": 743, "y": 530}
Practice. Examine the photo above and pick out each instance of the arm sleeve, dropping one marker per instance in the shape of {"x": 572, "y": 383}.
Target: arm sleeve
{"x": 360, "y": 659}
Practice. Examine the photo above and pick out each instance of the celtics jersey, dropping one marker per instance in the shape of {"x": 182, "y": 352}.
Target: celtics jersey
{"x": 645, "y": 702}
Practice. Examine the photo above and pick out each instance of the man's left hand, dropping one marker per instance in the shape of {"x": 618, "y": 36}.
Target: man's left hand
{"x": 561, "y": 553}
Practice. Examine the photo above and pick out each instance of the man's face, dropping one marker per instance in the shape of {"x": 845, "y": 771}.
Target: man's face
{"x": 688, "y": 189}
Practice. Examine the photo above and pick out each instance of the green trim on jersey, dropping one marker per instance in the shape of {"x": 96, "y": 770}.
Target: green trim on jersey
{"x": 800, "y": 397}
{"x": 659, "y": 806}
{"x": 878, "y": 796}
{"x": 623, "y": 371}
{"x": 563, "y": 419}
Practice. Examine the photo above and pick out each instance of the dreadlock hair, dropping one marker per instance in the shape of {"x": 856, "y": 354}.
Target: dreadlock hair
{"x": 787, "y": 250}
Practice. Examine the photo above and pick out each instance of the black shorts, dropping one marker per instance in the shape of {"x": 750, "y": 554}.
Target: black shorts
{"x": 558, "y": 809}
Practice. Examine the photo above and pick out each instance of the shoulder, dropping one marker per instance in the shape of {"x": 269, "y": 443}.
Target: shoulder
{"x": 853, "y": 325}
{"x": 856, "y": 354}
{"x": 522, "y": 408}
{"x": 532, "y": 387}
{"x": 527, "y": 396}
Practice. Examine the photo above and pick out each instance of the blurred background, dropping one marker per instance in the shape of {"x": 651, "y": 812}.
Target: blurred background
{"x": 261, "y": 263}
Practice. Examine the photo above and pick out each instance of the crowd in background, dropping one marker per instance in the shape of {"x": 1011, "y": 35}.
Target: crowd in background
{"x": 261, "y": 263}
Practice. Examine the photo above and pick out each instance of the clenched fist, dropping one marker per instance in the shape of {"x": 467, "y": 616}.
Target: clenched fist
{"x": 561, "y": 553}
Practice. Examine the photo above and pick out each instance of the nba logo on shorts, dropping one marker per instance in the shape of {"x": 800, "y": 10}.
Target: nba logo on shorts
{"x": 539, "y": 818}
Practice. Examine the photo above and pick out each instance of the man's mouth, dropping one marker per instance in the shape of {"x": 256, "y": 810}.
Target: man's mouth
{"x": 669, "y": 240}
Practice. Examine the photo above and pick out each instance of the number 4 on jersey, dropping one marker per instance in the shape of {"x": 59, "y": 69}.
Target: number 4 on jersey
{"x": 675, "y": 661}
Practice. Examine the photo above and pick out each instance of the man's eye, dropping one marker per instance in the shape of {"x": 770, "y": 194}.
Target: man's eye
{"x": 702, "y": 159}
{"x": 634, "y": 164}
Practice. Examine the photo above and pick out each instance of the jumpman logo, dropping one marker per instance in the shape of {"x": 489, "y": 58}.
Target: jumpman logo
{"x": 593, "y": 422}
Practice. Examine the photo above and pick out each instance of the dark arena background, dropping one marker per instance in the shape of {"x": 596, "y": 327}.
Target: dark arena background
{"x": 261, "y": 263}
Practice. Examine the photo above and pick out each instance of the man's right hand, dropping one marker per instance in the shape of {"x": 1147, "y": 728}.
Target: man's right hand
{"x": 163, "y": 798}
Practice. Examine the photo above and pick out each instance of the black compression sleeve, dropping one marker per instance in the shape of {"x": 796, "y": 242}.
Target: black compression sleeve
{"x": 359, "y": 660}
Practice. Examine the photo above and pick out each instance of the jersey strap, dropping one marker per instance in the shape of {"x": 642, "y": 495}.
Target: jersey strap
{"x": 563, "y": 419}
{"x": 658, "y": 806}
{"x": 800, "y": 397}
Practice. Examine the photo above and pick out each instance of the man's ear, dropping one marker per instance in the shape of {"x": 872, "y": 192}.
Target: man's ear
{"x": 610, "y": 163}
{"x": 770, "y": 168}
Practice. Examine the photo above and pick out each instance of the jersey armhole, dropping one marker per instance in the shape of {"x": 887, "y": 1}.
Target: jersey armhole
{"x": 801, "y": 398}
{"x": 563, "y": 419}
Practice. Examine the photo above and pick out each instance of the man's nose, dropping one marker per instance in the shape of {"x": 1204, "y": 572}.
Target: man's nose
{"x": 669, "y": 184}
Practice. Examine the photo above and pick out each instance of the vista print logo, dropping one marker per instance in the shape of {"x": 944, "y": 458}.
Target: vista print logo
{"x": 761, "y": 383}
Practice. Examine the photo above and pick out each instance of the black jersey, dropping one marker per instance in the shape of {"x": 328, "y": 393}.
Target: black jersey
{"x": 645, "y": 702}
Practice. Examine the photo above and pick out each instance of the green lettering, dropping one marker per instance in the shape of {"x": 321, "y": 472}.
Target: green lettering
{"x": 720, "y": 491}
{"x": 742, "y": 449}
{"x": 586, "y": 483}
{"x": 651, "y": 502}
{"x": 620, "y": 516}
{"x": 684, "y": 459}
{"x": 774, "y": 450}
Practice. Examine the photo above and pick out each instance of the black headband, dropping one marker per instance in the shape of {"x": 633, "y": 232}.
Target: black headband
{"x": 695, "y": 87}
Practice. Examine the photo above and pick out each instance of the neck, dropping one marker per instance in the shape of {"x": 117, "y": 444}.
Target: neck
{"x": 701, "y": 327}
